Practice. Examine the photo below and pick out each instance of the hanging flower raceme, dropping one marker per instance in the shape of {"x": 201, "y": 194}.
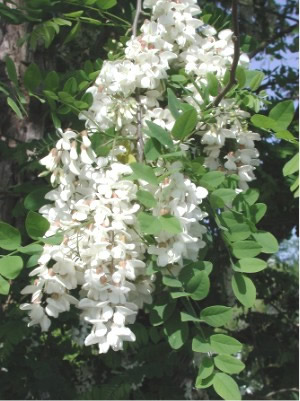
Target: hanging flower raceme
{"x": 100, "y": 266}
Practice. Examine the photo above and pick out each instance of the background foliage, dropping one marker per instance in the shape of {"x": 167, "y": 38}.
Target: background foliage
{"x": 53, "y": 52}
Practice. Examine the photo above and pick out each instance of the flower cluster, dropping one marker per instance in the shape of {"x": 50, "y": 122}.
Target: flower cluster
{"x": 100, "y": 266}
{"x": 101, "y": 259}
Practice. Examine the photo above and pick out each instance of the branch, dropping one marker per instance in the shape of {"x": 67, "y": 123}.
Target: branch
{"x": 137, "y": 17}
{"x": 139, "y": 106}
{"x": 236, "y": 54}
{"x": 284, "y": 390}
{"x": 275, "y": 37}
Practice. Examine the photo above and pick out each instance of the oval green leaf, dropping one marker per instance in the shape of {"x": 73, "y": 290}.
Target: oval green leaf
{"x": 228, "y": 364}
{"x": 36, "y": 225}
{"x": 216, "y": 316}
{"x": 10, "y": 237}
{"x": 244, "y": 289}
{"x": 10, "y": 266}
{"x": 226, "y": 387}
{"x": 223, "y": 344}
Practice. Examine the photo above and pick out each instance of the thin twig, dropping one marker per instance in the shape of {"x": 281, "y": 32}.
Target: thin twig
{"x": 283, "y": 390}
{"x": 275, "y": 37}
{"x": 139, "y": 132}
{"x": 236, "y": 54}
{"x": 139, "y": 106}
{"x": 137, "y": 17}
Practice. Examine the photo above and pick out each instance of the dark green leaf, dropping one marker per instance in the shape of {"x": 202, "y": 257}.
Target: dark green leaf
{"x": 212, "y": 84}
{"x": 176, "y": 331}
{"x": 36, "y": 225}
{"x": 198, "y": 286}
{"x": 11, "y": 70}
{"x": 14, "y": 107}
{"x": 161, "y": 135}
{"x": 32, "y": 77}
{"x": 185, "y": 124}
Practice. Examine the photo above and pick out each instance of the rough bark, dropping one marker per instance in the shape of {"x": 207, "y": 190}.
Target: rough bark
{"x": 12, "y": 129}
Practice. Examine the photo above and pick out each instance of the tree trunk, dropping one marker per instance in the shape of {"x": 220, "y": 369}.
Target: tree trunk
{"x": 12, "y": 129}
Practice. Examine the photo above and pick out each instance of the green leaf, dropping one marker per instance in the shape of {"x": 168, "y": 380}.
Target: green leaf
{"x": 240, "y": 76}
{"x": 238, "y": 232}
{"x": 256, "y": 80}
{"x": 206, "y": 368}
{"x": 149, "y": 224}
{"x": 286, "y": 135}
{"x": 162, "y": 309}
{"x": 170, "y": 224}
{"x": 187, "y": 317}
{"x": 179, "y": 294}
{"x": 178, "y": 78}
{"x": 264, "y": 122}
{"x": 222, "y": 196}
{"x": 10, "y": 237}
{"x": 152, "y": 149}
{"x": 212, "y": 179}
{"x": 223, "y": 344}
{"x": 228, "y": 364}
{"x": 292, "y": 166}
{"x": 244, "y": 289}
{"x": 143, "y": 172}
{"x": 106, "y": 4}
{"x": 36, "y": 199}
{"x": 51, "y": 81}
{"x": 170, "y": 281}
{"x": 32, "y": 77}
{"x": 257, "y": 212}
{"x": 245, "y": 249}
{"x": 201, "y": 344}
{"x": 212, "y": 84}
{"x": 198, "y": 286}
{"x": 204, "y": 383}
{"x": 10, "y": 266}
{"x": 250, "y": 265}
{"x": 73, "y": 32}
{"x": 283, "y": 114}
{"x": 226, "y": 387}
{"x": 231, "y": 218}
{"x": 11, "y": 70}
{"x": 161, "y": 135}
{"x": 36, "y": 225}
{"x": 176, "y": 331}
{"x": 31, "y": 249}
{"x": 14, "y": 107}
{"x": 4, "y": 286}
{"x": 185, "y": 124}
{"x": 217, "y": 315}
{"x": 267, "y": 241}
{"x": 173, "y": 103}
{"x": 55, "y": 239}
{"x": 146, "y": 198}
